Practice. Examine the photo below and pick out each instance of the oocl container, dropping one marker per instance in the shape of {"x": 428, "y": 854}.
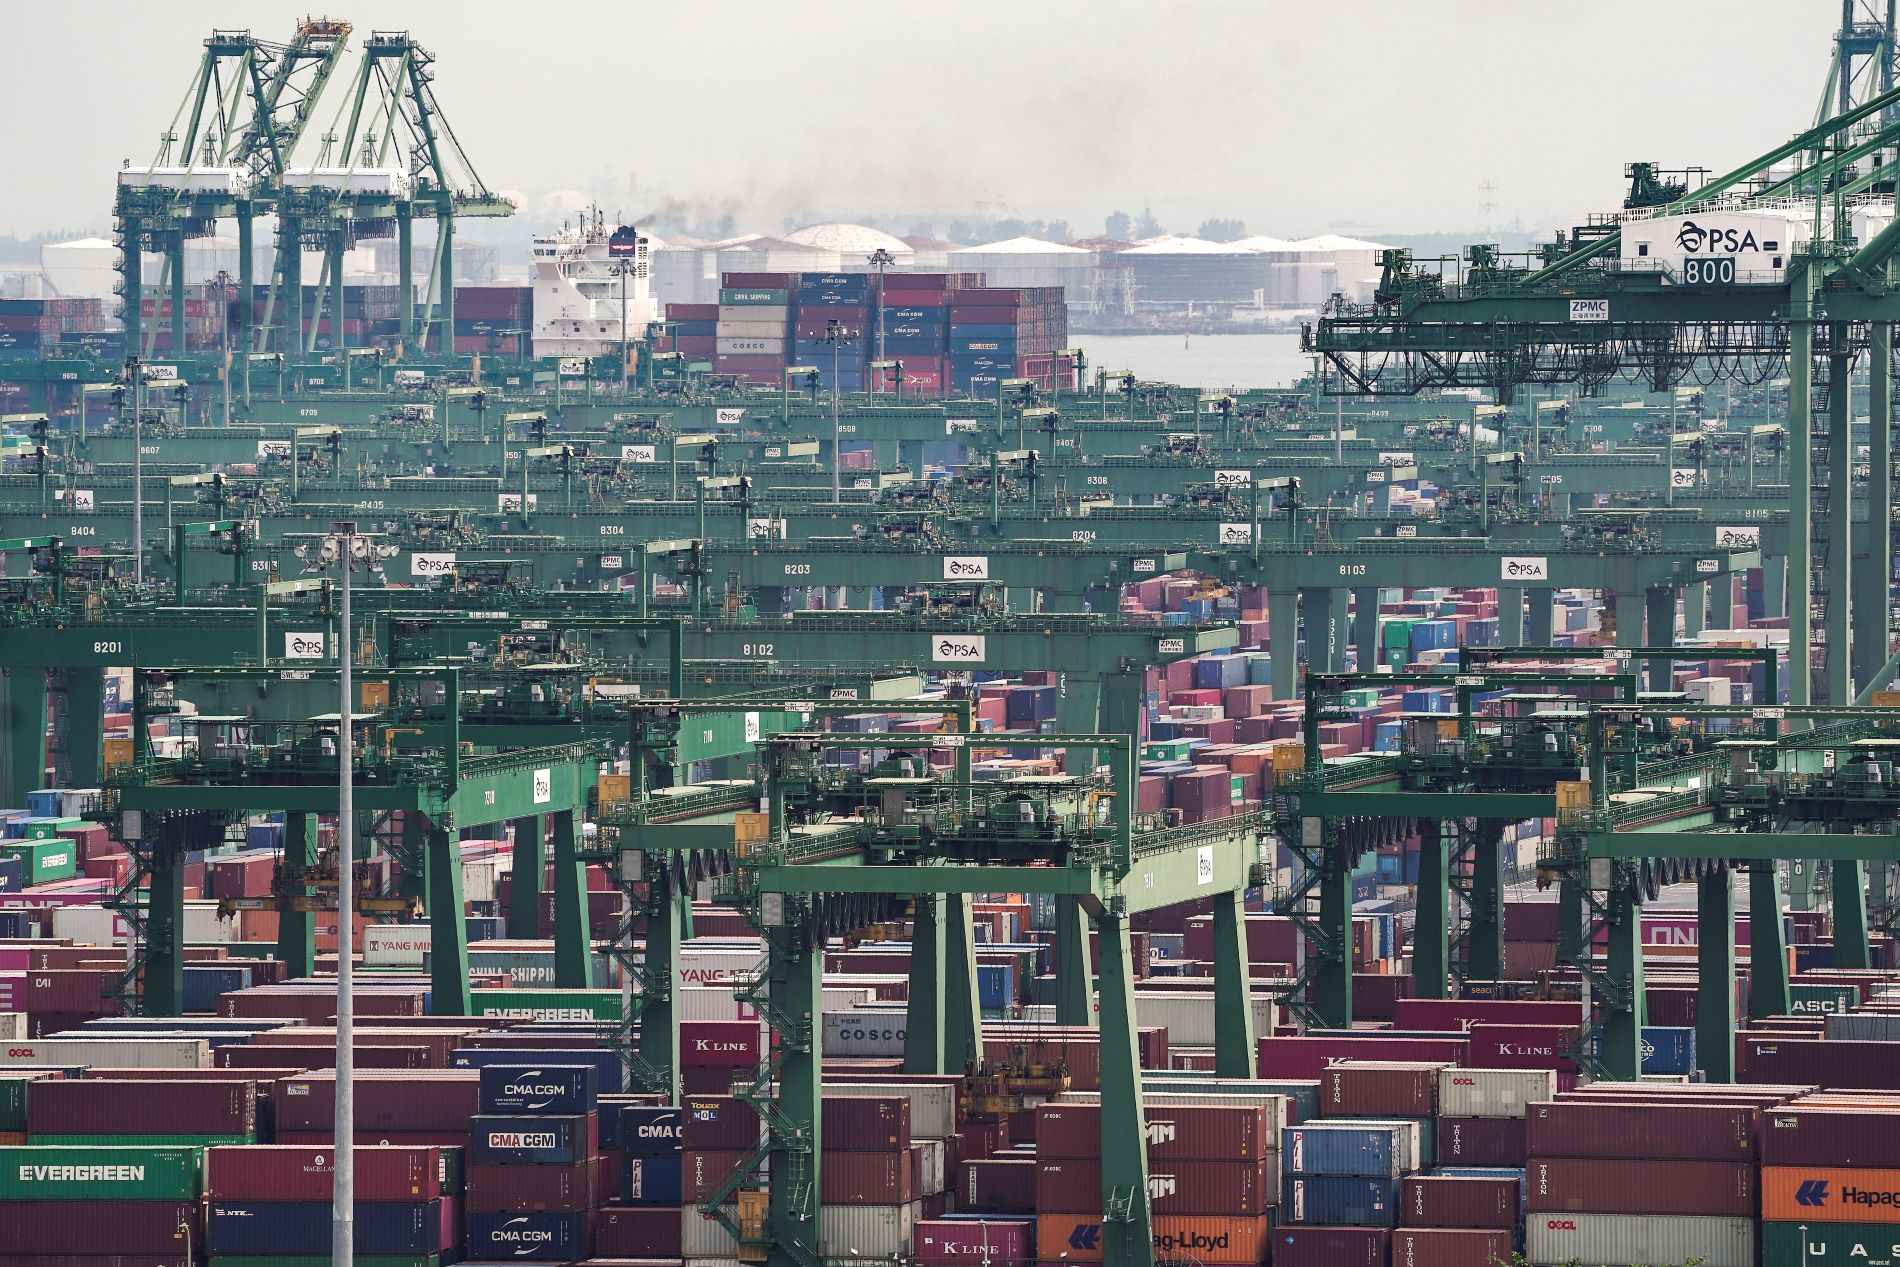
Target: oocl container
{"x": 1492, "y": 1093}
{"x": 1655, "y": 1238}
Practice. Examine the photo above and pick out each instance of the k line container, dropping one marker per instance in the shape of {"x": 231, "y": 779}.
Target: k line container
{"x": 953, "y": 1242}
{"x": 1599, "y": 1240}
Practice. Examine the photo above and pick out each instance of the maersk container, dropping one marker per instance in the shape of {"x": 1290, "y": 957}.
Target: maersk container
{"x": 1493, "y": 1092}
{"x": 1612, "y": 1240}
{"x": 303, "y": 1227}
{"x": 1339, "y": 1200}
{"x": 867, "y": 1231}
{"x": 561, "y": 1090}
{"x": 1341, "y": 1148}
{"x": 530, "y": 1141}
{"x": 562, "y": 1237}
{"x": 45, "y": 1173}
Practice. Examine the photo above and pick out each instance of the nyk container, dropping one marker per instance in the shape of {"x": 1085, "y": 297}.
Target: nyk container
{"x": 1339, "y": 1200}
{"x": 1602, "y": 1239}
{"x": 561, "y": 1237}
{"x": 98, "y": 1173}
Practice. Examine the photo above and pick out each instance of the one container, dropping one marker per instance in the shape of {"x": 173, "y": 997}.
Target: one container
{"x": 1653, "y": 1238}
{"x": 1626, "y": 1186}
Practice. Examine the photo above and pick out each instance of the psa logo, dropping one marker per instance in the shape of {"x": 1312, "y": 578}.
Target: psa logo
{"x": 966, "y": 567}
{"x": 958, "y": 648}
{"x": 1693, "y": 239}
{"x": 1236, "y": 534}
{"x": 303, "y": 646}
{"x": 1738, "y": 538}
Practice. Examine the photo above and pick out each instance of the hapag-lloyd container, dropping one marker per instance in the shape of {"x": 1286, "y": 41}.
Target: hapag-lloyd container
{"x": 1332, "y": 1247}
{"x": 1450, "y": 1247}
{"x": 103, "y": 1106}
{"x": 44, "y": 1172}
{"x": 293, "y": 1172}
{"x": 1177, "y": 1132}
{"x": 532, "y": 1237}
{"x": 1349, "y": 1148}
{"x": 1802, "y": 1194}
{"x": 1494, "y": 1093}
{"x": 1077, "y": 1238}
{"x": 1627, "y": 1238}
{"x": 1655, "y": 1131}
{"x": 955, "y": 1242}
{"x": 1633, "y": 1186}
{"x": 1339, "y": 1200}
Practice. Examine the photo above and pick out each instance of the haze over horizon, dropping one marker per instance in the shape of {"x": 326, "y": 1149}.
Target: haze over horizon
{"x": 1294, "y": 118}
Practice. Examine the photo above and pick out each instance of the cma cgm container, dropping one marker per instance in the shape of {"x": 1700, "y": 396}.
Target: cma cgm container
{"x": 1653, "y": 1238}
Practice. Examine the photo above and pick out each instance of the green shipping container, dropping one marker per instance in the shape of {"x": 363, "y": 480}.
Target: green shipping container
{"x": 13, "y": 1103}
{"x": 748, "y": 298}
{"x": 96, "y": 1172}
{"x": 1820, "y": 1000}
{"x": 453, "y": 1181}
{"x": 549, "y": 1005}
{"x": 44, "y": 860}
{"x": 1831, "y": 1244}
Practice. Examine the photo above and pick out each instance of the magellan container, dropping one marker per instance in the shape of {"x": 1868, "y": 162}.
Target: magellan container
{"x": 1332, "y": 1247}
{"x": 1630, "y": 1186}
{"x": 1823, "y": 1244}
{"x": 1492, "y": 1093}
{"x": 1648, "y": 1238}
{"x": 1450, "y": 1247}
{"x": 295, "y": 1172}
{"x": 1799, "y": 1194}
{"x": 43, "y": 1173}
{"x": 1339, "y": 1200}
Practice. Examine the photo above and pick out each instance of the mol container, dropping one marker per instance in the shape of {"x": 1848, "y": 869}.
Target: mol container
{"x": 1601, "y": 1240}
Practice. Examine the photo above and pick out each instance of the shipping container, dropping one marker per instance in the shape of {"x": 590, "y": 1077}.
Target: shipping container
{"x": 1616, "y": 1240}
{"x": 288, "y": 1172}
{"x": 1339, "y": 1200}
{"x": 1828, "y": 1244}
{"x": 532, "y": 1188}
{"x": 104, "y": 1106}
{"x": 1385, "y": 1151}
{"x": 1653, "y": 1131}
{"x": 531, "y": 1140}
{"x": 1334, "y": 1247}
{"x": 538, "y": 1089}
{"x": 101, "y": 1174}
{"x": 1451, "y": 1247}
{"x": 1799, "y": 1135}
{"x": 303, "y": 1227}
{"x": 1077, "y": 1238}
{"x": 1830, "y": 1195}
{"x": 1630, "y": 1185}
{"x": 530, "y": 1237}
{"x": 1493, "y": 1093}
{"x": 108, "y": 1228}
{"x": 1458, "y": 1201}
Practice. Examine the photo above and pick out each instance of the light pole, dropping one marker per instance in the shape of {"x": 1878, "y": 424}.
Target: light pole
{"x": 879, "y": 259}
{"x": 835, "y": 336}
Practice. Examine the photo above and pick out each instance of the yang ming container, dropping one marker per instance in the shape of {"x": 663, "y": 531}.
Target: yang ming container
{"x": 1627, "y": 1238}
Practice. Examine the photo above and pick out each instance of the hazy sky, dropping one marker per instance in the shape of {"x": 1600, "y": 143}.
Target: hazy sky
{"x": 1292, "y": 115}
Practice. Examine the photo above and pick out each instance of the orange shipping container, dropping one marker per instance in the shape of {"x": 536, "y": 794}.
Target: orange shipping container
{"x": 1815, "y": 1195}
{"x": 1206, "y": 1238}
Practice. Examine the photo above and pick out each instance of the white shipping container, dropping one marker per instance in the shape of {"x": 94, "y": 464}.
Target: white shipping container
{"x": 1492, "y": 1092}
{"x": 1613, "y": 1240}
{"x": 866, "y": 1032}
{"x": 724, "y": 962}
{"x": 1864, "y": 1027}
{"x": 478, "y": 878}
{"x": 1189, "y": 1014}
{"x": 933, "y": 1151}
{"x": 101, "y": 926}
{"x": 750, "y": 345}
{"x": 12, "y": 1025}
{"x": 130, "y": 1052}
{"x": 933, "y": 1108}
{"x": 400, "y": 945}
{"x": 748, "y": 314}
{"x": 711, "y": 1262}
{"x": 704, "y": 1237}
{"x": 867, "y": 1231}
{"x": 750, "y": 329}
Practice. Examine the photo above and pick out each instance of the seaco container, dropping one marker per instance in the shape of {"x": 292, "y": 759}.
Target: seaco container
{"x": 539, "y": 1089}
{"x": 299, "y": 1172}
{"x": 1622, "y": 1186}
{"x": 530, "y": 1141}
{"x": 1339, "y": 1201}
{"x": 1806, "y": 1194}
{"x": 95, "y": 1173}
{"x": 1628, "y": 1238}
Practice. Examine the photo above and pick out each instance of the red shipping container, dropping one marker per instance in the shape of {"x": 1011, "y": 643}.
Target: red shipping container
{"x": 1629, "y": 1186}
{"x": 86, "y": 991}
{"x": 1297, "y": 1246}
{"x": 1522, "y": 1046}
{"x": 1309, "y": 1055}
{"x": 956, "y": 1242}
{"x": 720, "y": 1044}
{"x": 527, "y": 1188}
{"x": 1176, "y": 1132}
{"x": 280, "y": 1172}
{"x": 1675, "y": 1130}
{"x": 1480, "y": 1141}
{"x": 866, "y": 1178}
{"x": 1357, "y": 1088}
{"x": 1450, "y": 1247}
{"x": 719, "y": 1122}
{"x": 425, "y": 1101}
{"x": 96, "y": 1106}
{"x": 1453, "y": 1015}
{"x": 692, "y": 312}
{"x": 703, "y": 1170}
{"x": 1800, "y": 1135}
{"x": 1459, "y": 1201}
{"x": 108, "y": 1227}
{"x": 637, "y": 1232}
{"x": 866, "y": 1123}
{"x": 1175, "y": 1187}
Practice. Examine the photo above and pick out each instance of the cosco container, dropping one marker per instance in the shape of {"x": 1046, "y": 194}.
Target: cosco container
{"x": 1345, "y": 1148}
{"x": 1492, "y": 1092}
{"x": 532, "y": 1141}
{"x": 1598, "y": 1240}
{"x": 538, "y": 1089}
{"x": 533, "y": 1237}
{"x": 1339, "y": 1200}
{"x": 303, "y": 1227}
{"x": 44, "y": 1173}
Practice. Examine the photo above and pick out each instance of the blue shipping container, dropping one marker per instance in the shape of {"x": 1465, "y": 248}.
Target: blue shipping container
{"x": 303, "y": 1227}
{"x": 527, "y": 1236}
{"x": 1668, "y": 1049}
{"x": 1329, "y": 1148}
{"x": 204, "y": 982}
{"x": 1340, "y": 1201}
{"x": 606, "y": 1064}
{"x": 651, "y": 1180}
{"x": 547, "y": 1089}
{"x": 641, "y": 1130}
{"x": 995, "y": 985}
{"x": 521, "y": 1140}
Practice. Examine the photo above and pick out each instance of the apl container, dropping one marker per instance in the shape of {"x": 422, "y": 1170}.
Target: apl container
{"x": 1339, "y": 1200}
{"x": 527, "y": 1236}
{"x": 533, "y": 1141}
{"x": 652, "y": 1180}
{"x": 1652, "y": 1238}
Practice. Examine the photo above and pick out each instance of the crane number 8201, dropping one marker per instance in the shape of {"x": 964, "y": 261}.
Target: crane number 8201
{"x": 1719, "y": 271}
